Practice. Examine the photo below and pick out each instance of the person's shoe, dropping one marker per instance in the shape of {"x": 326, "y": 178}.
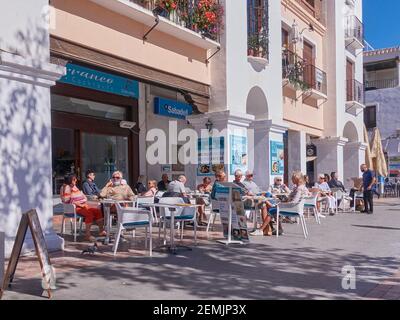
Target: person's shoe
{"x": 364, "y": 211}
{"x": 321, "y": 215}
{"x": 370, "y": 212}
{"x": 256, "y": 233}
{"x": 279, "y": 233}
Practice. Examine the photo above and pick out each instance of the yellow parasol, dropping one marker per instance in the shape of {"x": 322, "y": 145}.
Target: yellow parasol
{"x": 368, "y": 155}
{"x": 378, "y": 154}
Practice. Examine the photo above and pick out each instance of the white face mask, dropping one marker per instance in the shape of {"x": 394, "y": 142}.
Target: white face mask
{"x": 116, "y": 182}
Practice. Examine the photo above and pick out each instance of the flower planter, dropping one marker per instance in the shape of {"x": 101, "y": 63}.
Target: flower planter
{"x": 160, "y": 11}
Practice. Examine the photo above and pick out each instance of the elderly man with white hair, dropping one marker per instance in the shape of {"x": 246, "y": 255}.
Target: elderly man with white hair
{"x": 250, "y": 185}
{"x": 177, "y": 188}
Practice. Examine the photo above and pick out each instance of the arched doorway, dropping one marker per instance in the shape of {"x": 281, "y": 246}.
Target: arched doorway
{"x": 257, "y": 104}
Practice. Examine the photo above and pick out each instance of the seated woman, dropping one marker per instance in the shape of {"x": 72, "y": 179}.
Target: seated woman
{"x": 299, "y": 192}
{"x": 151, "y": 189}
{"x": 325, "y": 194}
{"x": 205, "y": 188}
{"x": 70, "y": 194}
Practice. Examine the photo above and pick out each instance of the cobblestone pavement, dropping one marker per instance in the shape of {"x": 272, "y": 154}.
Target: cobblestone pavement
{"x": 288, "y": 267}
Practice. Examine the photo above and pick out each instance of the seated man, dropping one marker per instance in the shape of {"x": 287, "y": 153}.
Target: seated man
{"x": 177, "y": 189}
{"x": 117, "y": 190}
{"x": 278, "y": 186}
{"x": 89, "y": 187}
{"x": 163, "y": 184}
{"x": 250, "y": 203}
{"x": 335, "y": 183}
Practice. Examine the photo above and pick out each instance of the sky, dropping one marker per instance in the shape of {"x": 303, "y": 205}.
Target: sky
{"x": 382, "y": 23}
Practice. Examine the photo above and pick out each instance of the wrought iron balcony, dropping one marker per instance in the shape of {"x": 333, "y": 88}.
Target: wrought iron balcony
{"x": 257, "y": 28}
{"x": 381, "y": 84}
{"x": 354, "y": 33}
{"x": 303, "y": 76}
{"x": 186, "y": 13}
{"x": 354, "y": 91}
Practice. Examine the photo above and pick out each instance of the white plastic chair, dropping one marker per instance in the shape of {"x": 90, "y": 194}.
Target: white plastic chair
{"x": 181, "y": 215}
{"x": 310, "y": 203}
{"x": 213, "y": 214}
{"x": 292, "y": 210}
{"x": 69, "y": 212}
{"x": 141, "y": 203}
{"x": 358, "y": 195}
{"x": 131, "y": 218}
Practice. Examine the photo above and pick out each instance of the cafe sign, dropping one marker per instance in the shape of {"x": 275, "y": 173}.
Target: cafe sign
{"x": 100, "y": 81}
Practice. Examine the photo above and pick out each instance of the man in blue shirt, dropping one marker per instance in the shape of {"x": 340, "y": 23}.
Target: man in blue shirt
{"x": 89, "y": 187}
{"x": 368, "y": 182}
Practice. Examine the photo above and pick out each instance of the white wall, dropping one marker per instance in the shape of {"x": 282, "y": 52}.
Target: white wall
{"x": 25, "y": 119}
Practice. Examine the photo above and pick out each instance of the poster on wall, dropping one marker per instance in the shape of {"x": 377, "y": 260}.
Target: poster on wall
{"x": 239, "y": 221}
{"x": 239, "y": 157}
{"x": 211, "y": 155}
{"x": 277, "y": 158}
{"x": 394, "y": 166}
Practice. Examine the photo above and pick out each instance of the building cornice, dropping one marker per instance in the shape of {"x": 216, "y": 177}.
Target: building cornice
{"x": 17, "y": 68}
{"x": 334, "y": 141}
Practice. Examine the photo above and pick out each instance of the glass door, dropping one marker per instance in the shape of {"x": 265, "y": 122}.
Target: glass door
{"x": 104, "y": 154}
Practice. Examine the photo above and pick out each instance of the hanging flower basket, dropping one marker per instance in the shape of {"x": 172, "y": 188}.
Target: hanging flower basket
{"x": 207, "y": 15}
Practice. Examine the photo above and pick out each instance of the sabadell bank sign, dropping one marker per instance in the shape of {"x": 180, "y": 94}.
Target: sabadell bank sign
{"x": 172, "y": 108}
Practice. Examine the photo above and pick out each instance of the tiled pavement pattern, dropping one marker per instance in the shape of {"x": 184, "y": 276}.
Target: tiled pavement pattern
{"x": 289, "y": 267}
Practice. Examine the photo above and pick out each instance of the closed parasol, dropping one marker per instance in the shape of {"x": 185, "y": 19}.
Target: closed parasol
{"x": 378, "y": 155}
{"x": 368, "y": 156}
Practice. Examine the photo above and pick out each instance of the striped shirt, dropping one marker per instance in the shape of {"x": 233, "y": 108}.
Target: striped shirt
{"x": 72, "y": 195}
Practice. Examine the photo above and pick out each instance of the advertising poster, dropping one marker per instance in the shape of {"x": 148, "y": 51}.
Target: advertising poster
{"x": 239, "y": 220}
{"x": 211, "y": 155}
{"x": 239, "y": 156}
{"x": 277, "y": 158}
{"x": 394, "y": 166}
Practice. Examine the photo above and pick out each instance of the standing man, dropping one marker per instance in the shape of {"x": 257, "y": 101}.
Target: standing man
{"x": 368, "y": 182}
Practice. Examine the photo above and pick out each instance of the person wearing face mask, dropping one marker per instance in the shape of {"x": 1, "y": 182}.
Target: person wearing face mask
{"x": 115, "y": 189}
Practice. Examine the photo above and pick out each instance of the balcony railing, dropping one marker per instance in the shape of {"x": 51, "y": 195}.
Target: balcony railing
{"x": 302, "y": 75}
{"x": 187, "y": 14}
{"x": 257, "y": 28}
{"x": 355, "y": 91}
{"x": 381, "y": 84}
{"x": 354, "y": 29}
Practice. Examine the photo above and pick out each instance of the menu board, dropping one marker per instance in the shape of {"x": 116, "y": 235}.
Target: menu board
{"x": 30, "y": 219}
{"x": 239, "y": 221}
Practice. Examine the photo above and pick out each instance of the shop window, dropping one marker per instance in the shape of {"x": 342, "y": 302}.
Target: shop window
{"x": 257, "y": 28}
{"x": 86, "y": 107}
{"x": 370, "y": 117}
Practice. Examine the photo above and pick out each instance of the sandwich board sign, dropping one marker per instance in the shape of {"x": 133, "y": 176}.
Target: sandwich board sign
{"x": 30, "y": 219}
{"x": 232, "y": 214}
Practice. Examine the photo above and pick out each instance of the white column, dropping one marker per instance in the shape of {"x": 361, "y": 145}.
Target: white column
{"x": 2, "y": 255}
{"x": 297, "y": 151}
{"x": 25, "y": 146}
{"x": 330, "y": 155}
{"x": 264, "y": 132}
{"x": 353, "y": 157}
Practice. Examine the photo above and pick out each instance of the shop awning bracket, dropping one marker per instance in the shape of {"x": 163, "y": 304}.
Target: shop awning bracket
{"x": 157, "y": 21}
{"x": 210, "y": 57}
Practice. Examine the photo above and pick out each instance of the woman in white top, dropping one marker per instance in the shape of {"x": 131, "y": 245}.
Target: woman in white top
{"x": 325, "y": 193}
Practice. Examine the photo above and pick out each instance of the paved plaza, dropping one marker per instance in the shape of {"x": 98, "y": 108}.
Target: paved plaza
{"x": 288, "y": 267}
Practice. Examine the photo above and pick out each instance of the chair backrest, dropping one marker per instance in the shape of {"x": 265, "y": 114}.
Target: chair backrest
{"x": 142, "y": 200}
{"x": 311, "y": 200}
{"x": 69, "y": 208}
{"x": 129, "y": 214}
{"x": 172, "y": 200}
{"x": 295, "y": 208}
{"x": 159, "y": 194}
{"x": 338, "y": 193}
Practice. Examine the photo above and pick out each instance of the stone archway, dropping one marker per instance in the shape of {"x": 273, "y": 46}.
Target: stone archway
{"x": 351, "y": 152}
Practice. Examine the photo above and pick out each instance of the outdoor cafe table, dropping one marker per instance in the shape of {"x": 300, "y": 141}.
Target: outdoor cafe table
{"x": 107, "y": 204}
{"x": 172, "y": 247}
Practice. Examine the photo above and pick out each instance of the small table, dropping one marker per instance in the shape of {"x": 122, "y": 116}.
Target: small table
{"x": 107, "y": 203}
{"x": 257, "y": 200}
{"x": 172, "y": 247}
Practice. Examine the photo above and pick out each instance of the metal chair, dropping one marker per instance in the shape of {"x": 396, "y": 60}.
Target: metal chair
{"x": 131, "y": 218}
{"x": 141, "y": 203}
{"x": 292, "y": 210}
{"x": 69, "y": 212}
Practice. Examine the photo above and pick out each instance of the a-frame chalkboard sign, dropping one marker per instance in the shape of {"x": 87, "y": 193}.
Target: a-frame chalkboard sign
{"x": 29, "y": 219}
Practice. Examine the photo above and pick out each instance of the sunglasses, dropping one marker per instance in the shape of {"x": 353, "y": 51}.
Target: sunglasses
{"x": 117, "y": 178}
